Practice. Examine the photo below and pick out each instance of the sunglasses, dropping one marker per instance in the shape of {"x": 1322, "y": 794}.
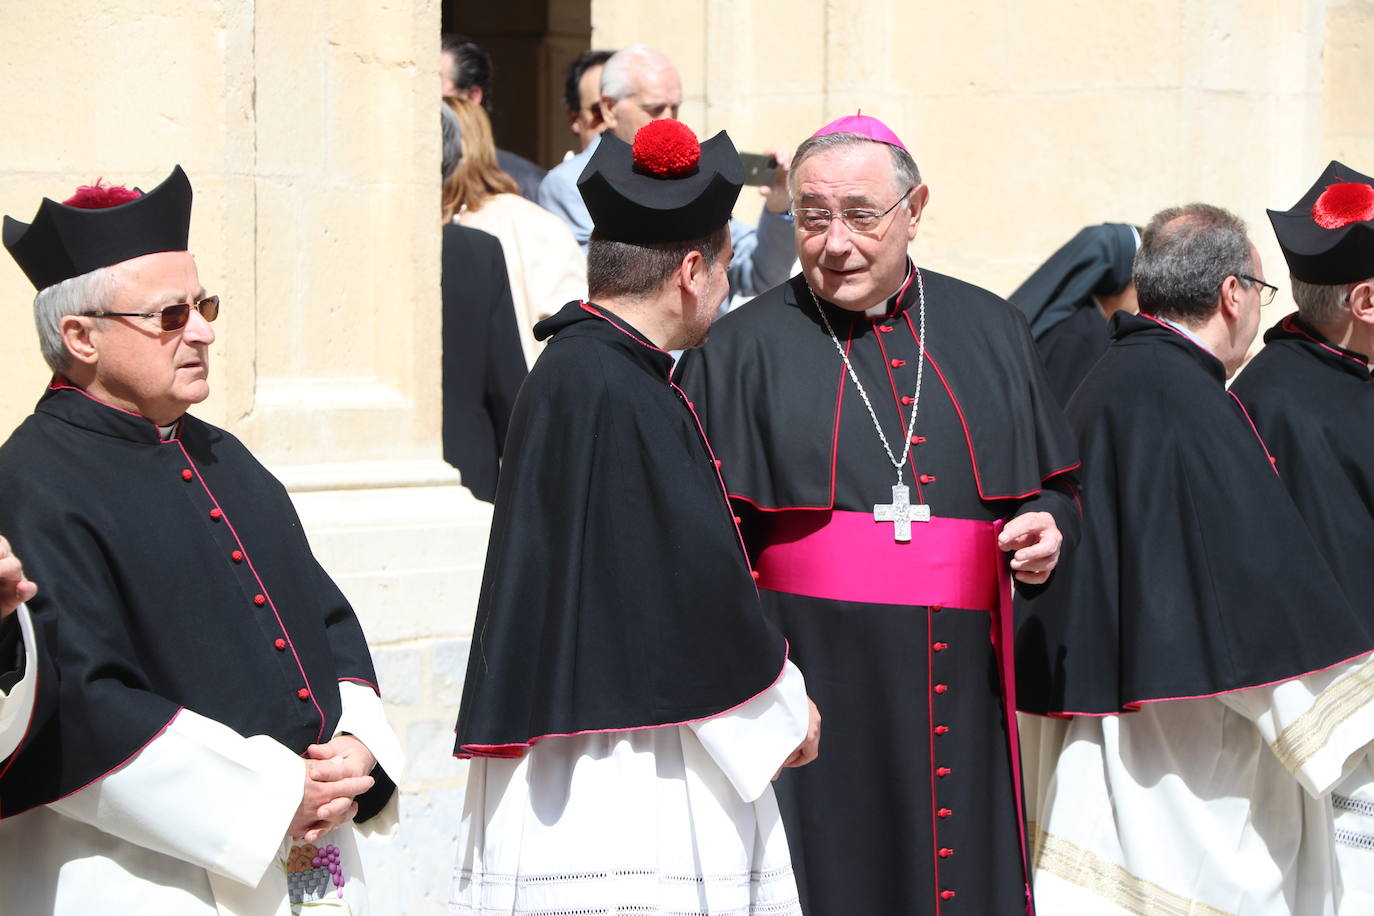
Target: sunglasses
{"x": 173, "y": 317}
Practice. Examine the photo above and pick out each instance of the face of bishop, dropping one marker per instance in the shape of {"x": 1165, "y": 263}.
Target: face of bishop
{"x": 856, "y": 270}
{"x": 133, "y": 364}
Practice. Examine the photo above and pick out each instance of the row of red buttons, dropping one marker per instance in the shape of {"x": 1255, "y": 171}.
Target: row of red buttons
{"x": 944, "y": 852}
{"x": 259, "y": 599}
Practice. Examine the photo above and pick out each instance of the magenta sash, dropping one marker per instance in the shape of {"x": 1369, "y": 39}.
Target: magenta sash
{"x": 950, "y": 562}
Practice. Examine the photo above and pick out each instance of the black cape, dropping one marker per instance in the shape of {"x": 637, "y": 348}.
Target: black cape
{"x": 617, "y": 593}
{"x": 864, "y": 822}
{"x": 169, "y": 570}
{"x": 1313, "y": 402}
{"x": 1195, "y": 574}
{"x": 483, "y": 363}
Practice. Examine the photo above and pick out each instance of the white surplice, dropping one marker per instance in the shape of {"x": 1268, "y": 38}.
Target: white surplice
{"x": 679, "y": 819}
{"x": 193, "y": 825}
{"x": 1207, "y": 807}
{"x": 16, "y": 706}
{"x": 1352, "y": 803}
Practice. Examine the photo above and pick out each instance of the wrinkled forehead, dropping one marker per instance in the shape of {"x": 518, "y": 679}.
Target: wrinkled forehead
{"x": 163, "y": 278}
{"x": 861, "y": 174}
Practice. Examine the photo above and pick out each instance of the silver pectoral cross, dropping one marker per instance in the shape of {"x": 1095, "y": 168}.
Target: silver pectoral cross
{"x": 901, "y": 513}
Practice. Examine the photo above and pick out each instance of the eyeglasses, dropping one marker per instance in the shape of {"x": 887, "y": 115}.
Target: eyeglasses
{"x": 1267, "y": 290}
{"x": 858, "y": 219}
{"x": 174, "y": 317}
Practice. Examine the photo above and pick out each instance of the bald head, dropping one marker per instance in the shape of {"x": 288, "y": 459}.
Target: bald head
{"x": 638, "y": 85}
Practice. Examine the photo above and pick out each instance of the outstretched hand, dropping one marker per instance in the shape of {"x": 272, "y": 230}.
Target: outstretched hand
{"x": 15, "y": 589}
{"x": 1035, "y": 541}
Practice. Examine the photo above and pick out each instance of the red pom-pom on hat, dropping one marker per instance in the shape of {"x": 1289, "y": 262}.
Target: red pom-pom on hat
{"x": 666, "y": 148}
{"x": 1342, "y": 204}
{"x": 99, "y": 197}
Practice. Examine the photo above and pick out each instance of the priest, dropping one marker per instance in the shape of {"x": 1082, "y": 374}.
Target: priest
{"x": 886, "y": 437}
{"x": 626, "y": 704}
{"x": 18, "y": 670}
{"x": 1208, "y": 680}
{"x": 214, "y": 720}
{"x": 1069, "y": 299}
{"x": 1311, "y": 396}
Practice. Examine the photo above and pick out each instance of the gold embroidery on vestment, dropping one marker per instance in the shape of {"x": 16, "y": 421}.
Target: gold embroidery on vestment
{"x": 1310, "y": 732}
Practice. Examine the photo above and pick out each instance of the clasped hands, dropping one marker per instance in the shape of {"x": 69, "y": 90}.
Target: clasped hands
{"x": 336, "y": 772}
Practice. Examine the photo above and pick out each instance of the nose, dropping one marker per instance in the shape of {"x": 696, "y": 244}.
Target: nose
{"x": 198, "y": 330}
{"x": 838, "y": 240}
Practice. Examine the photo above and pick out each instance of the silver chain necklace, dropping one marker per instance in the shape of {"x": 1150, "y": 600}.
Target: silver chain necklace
{"x": 900, "y": 511}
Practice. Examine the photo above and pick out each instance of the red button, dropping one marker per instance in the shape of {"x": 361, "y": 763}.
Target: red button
{"x": 908, "y": 400}
{"x": 755, "y": 574}
{"x": 927, "y": 478}
{"x": 186, "y": 474}
{"x": 691, "y": 405}
{"x": 884, "y": 328}
{"x": 236, "y": 556}
{"x": 280, "y": 644}
{"x": 943, "y": 771}
{"x": 940, "y": 646}
{"x": 941, "y": 688}
{"x": 919, "y": 439}
{"x": 943, "y": 812}
{"x": 215, "y": 513}
{"x": 941, "y": 729}
{"x": 737, "y": 519}
{"x": 915, "y": 440}
{"x": 898, "y": 363}
{"x": 946, "y": 895}
{"x": 946, "y": 852}
{"x": 717, "y": 462}
{"x": 303, "y": 693}
{"x": 260, "y": 599}
{"x": 937, "y": 607}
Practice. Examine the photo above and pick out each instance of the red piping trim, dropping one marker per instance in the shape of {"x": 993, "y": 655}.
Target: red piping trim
{"x": 517, "y": 749}
{"x": 930, "y": 743}
{"x": 261, "y": 585}
{"x": 1134, "y": 705}
{"x": 715, "y": 465}
{"x": 122, "y": 764}
{"x": 61, "y": 383}
{"x": 1288, "y": 324}
{"x": 357, "y": 680}
{"x": 1245, "y": 413}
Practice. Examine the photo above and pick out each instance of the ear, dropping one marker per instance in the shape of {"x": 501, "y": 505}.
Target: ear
{"x": 920, "y": 196}
{"x": 1362, "y": 302}
{"x": 1230, "y": 299}
{"x": 78, "y": 336}
{"x": 607, "y": 107}
{"x": 691, "y": 274}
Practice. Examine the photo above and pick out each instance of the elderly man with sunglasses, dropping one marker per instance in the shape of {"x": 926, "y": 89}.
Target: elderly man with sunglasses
{"x": 212, "y": 721}
{"x": 887, "y": 438}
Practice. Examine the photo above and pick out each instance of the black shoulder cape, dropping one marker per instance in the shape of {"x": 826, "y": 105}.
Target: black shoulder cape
{"x": 174, "y": 574}
{"x": 1313, "y": 402}
{"x": 775, "y": 351}
{"x": 617, "y": 594}
{"x": 1195, "y": 574}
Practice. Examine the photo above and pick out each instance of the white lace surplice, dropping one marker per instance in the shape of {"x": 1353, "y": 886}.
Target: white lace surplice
{"x": 679, "y": 819}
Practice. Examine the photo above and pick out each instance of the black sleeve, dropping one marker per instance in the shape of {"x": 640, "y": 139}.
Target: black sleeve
{"x": 505, "y": 359}
{"x": 12, "y": 656}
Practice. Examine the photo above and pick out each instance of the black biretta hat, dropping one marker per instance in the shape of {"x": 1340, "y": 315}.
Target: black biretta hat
{"x": 1328, "y": 236}
{"x": 65, "y": 241}
{"x": 666, "y": 188}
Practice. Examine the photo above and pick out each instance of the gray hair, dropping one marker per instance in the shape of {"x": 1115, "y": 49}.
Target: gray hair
{"x": 88, "y": 292}
{"x": 1319, "y": 304}
{"x": 618, "y": 76}
{"x": 1185, "y": 254}
{"x": 904, "y": 168}
{"x": 452, "y": 143}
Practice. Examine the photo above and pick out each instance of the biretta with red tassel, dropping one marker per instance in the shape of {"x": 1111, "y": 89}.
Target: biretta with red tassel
{"x": 98, "y": 226}
{"x": 666, "y": 187}
{"x": 1327, "y": 237}
{"x": 863, "y": 125}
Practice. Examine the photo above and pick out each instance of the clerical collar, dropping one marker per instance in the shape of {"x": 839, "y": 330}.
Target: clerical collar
{"x": 165, "y": 432}
{"x": 893, "y": 303}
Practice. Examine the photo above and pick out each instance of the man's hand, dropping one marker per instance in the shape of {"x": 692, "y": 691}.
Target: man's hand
{"x": 14, "y": 588}
{"x": 810, "y": 747}
{"x": 335, "y": 773}
{"x": 777, "y": 199}
{"x": 1036, "y": 540}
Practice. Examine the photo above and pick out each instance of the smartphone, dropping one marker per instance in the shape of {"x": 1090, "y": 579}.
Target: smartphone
{"x": 759, "y": 168}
